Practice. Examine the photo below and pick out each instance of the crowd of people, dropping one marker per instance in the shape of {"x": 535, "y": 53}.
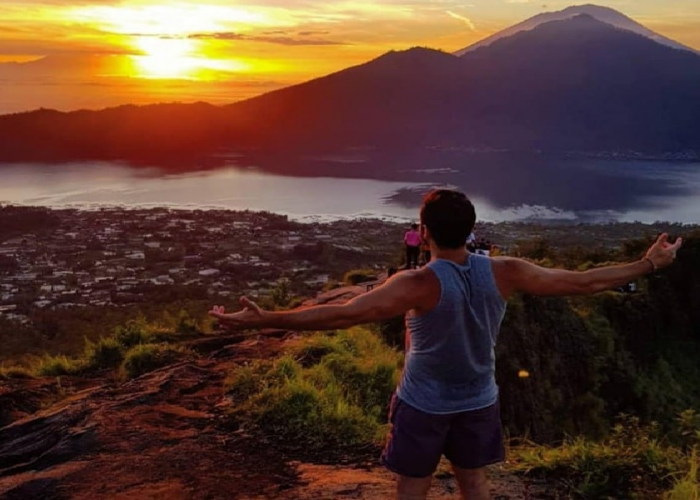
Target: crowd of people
{"x": 418, "y": 250}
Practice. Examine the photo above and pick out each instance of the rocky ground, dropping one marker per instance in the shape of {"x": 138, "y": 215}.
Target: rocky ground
{"x": 166, "y": 435}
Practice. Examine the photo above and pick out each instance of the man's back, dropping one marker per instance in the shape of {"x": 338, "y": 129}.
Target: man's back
{"x": 450, "y": 360}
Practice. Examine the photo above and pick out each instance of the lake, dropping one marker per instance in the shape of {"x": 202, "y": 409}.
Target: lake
{"x": 503, "y": 188}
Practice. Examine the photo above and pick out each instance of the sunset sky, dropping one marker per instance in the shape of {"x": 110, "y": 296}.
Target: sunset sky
{"x": 107, "y": 52}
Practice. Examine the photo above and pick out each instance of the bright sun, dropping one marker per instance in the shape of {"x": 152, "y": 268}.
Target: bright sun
{"x": 167, "y": 58}
{"x": 164, "y": 41}
{"x": 180, "y": 58}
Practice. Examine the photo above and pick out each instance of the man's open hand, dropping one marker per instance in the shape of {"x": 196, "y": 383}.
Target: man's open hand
{"x": 662, "y": 253}
{"x": 251, "y": 316}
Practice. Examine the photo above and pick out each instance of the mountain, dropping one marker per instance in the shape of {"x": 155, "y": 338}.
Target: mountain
{"x": 576, "y": 84}
{"x": 583, "y": 84}
{"x": 604, "y": 14}
{"x": 80, "y": 64}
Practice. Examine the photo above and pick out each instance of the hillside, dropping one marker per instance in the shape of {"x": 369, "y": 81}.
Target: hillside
{"x": 169, "y": 435}
{"x": 577, "y": 84}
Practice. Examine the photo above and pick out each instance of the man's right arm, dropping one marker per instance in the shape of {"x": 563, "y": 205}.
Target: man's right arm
{"x": 517, "y": 275}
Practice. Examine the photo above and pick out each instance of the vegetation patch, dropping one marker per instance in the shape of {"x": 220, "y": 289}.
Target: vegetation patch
{"x": 332, "y": 390}
{"x": 145, "y": 358}
{"x": 632, "y": 462}
{"x": 57, "y": 366}
{"x": 15, "y": 372}
{"x": 135, "y": 348}
{"x": 105, "y": 353}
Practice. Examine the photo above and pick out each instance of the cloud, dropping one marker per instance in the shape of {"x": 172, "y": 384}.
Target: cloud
{"x": 313, "y": 33}
{"x": 278, "y": 40}
{"x": 464, "y": 19}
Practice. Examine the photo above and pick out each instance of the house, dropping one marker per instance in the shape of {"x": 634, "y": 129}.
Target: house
{"x": 209, "y": 272}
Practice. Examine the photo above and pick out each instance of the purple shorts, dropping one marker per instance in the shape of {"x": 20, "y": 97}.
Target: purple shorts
{"x": 470, "y": 440}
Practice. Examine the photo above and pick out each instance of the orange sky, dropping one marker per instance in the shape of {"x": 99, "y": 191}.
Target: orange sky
{"x": 107, "y": 52}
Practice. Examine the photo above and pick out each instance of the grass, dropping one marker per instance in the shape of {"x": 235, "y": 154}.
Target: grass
{"x": 145, "y": 358}
{"x": 134, "y": 349}
{"x": 687, "y": 487}
{"x": 631, "y": 463}
{"x": 331, "y": 390}
{"x": 57, "y": 366}
{"x": 104, "y": 354}
{"x": 14, "y": 373}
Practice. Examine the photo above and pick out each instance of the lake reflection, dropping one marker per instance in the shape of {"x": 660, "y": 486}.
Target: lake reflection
{"x": 504, "y": 190}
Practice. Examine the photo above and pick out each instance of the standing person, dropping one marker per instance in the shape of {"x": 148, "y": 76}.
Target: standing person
{"x": 412, "y": 239}
{"x": 447, "y": 400}
{"x": 471, "y": 242}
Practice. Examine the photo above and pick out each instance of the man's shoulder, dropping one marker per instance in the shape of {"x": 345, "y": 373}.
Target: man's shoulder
{"x": 505, "y": 267}
{"x": 418, "y": 278}
{"x": 424, "y": 285}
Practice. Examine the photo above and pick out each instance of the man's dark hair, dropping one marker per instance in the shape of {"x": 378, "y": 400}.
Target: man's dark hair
{"x": 449, "y": 216}
{"x": 414, "y": 226}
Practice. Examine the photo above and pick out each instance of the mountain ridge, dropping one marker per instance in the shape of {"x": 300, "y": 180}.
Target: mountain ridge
{"x": 602, "y": 13}
{"x": 577, "y": 84}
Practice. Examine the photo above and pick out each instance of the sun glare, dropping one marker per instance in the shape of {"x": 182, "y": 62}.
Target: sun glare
{"x": 166, "y": 58}
{"x": 180, "y": 58}
{"x": 166, "y": 38}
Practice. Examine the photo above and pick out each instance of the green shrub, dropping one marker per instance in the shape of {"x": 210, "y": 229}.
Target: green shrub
{"x": 106, "y": 353}
{"x": 56, "y": 366}
{"x": 135, "y": 332}
{"x": 357, "y": 276}
{"x": 331, "y": 390}
{"x": 145, "y": 358}
{"x": 631, "y": 463}
{"x": 246, "y": 381}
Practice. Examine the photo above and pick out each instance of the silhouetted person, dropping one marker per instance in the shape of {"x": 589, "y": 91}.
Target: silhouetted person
{"x": 412, "y": 240}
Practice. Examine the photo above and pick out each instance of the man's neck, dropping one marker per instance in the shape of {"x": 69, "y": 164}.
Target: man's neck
{"x": 456, "y": 255}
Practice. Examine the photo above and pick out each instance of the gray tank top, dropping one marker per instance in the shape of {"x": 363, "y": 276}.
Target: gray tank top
{"x": 450, "y": 364}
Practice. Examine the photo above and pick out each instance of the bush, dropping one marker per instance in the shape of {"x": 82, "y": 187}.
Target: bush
{"x": 106, "y": 353}
{"x": 56, "y": 366}
{"x": 357, "y": 276}
{"x": 331, "y": 390}
{"x": 133, "y": 333}
{"x": 145, "y": 358}
{"x": 631, "y": 463}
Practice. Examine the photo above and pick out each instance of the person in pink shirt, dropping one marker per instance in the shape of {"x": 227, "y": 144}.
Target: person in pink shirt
{"x": 412, "y": 240}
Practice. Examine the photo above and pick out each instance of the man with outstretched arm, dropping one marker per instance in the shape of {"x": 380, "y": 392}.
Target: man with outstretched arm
{"x": 447, "y": 400}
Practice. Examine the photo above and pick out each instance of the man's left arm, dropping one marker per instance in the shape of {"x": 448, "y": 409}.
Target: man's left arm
{"x": 401, "y": 293}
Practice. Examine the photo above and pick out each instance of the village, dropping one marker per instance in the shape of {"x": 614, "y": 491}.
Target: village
{"x": 54, "y": 259}
{"x": 116, "y": 256}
